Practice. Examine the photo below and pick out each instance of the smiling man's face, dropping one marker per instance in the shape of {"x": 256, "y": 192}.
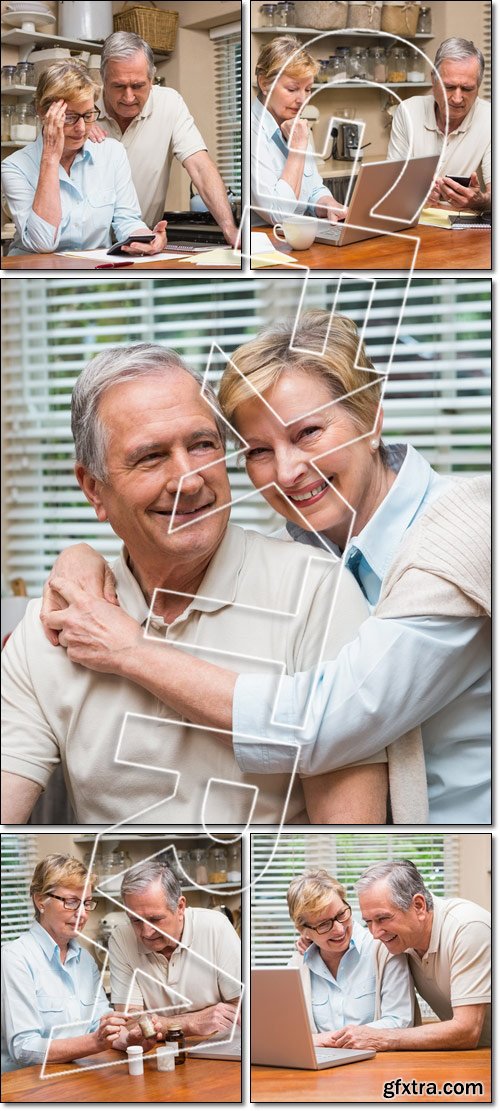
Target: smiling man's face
{"x": 159, "y": 429}
{"x": 398, "y": 929}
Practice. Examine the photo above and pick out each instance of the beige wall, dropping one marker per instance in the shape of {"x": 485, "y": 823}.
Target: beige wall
{"x": 475, "y": 868}
{"x": 448, "y": 18}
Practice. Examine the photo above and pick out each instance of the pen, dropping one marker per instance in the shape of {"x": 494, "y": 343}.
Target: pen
{"x": 112, "y": 265}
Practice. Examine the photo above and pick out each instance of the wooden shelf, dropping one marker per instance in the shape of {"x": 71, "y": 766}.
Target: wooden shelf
{"x": 348, "y": 32}
{"x": 27, "y": 38}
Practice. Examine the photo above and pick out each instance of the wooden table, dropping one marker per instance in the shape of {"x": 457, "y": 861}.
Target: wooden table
{"x": 193, "y": 1082}
{"x": 363, "y": 1082}
{"x": 59, "y": 262}
{"x": 440, "y": 249}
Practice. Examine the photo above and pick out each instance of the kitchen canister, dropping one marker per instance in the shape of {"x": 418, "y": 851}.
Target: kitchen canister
{"x": 400, "y": 19}
{"x": 84, "y": 19}
{"x": 322, "y": 16}
{"x": 364, "y": 16}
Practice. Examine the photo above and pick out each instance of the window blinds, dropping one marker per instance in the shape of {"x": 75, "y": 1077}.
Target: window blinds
{"x": 19, "y": 858}
{"x": 227, "y": 45}
{"x": 485, "y": 90}
{"x": 345, "y": 856}
{"x": 438, "y": 396}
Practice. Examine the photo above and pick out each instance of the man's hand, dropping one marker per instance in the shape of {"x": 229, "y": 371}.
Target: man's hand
{"x": 296, "y": 133}
{"x": 133, "y": 1035}
{"x": 96, "y": 134}
{"x": 82, "y": 566}
{"x": 94, "y": 633}
{"x": 356, "y": 1037}
{"x": 111, "y": 1026}
{"x": 157, "y": 244}
{"x": 461, "y": 197}
{"x": 302, "y": 945}
{"x": 211, "y": 1020}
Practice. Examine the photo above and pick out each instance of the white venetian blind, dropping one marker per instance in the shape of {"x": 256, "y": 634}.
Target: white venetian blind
{"x": 227, "y": 45}
{"x": 486, "y": 85}
{"x": 438, "y": 395}
{"x": 345, "y": 856}
{"x": 19, "y": 858}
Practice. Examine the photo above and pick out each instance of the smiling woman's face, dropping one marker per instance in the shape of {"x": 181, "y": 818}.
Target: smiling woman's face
{"x": 283, "y": 444}
{"x": 337, "y": 939}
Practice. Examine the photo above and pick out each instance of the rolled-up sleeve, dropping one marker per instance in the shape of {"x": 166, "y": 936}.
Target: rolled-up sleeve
{"x": 22, "y": 1026}
{"x": 273, "y": 196}
{"x": 36, "y": 234}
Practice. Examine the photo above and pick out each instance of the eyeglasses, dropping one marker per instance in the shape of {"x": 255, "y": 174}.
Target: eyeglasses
{"x": 326, "y": 926}
{"x": 72, "y": 117}
{"x": 75, "y": 904}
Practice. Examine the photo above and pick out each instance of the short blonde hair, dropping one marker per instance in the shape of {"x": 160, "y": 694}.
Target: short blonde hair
{"x": 310, "y": 893}
{"x": 64, "y": 81}
{"x": 273, "y": 58}
{"x": 58, "y": 868}
{"x": 265, "y": 358}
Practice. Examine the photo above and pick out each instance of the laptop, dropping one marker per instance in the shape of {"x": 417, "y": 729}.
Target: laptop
{"x": 404, "y": 204}
{"x": 280, "y": 1030}
{"x": 220, "y": 1050}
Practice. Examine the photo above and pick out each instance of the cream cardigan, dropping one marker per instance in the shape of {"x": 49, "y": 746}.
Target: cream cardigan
{"x": 443, "y": 568}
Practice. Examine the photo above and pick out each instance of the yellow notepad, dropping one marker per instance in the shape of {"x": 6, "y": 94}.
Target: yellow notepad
{"x": 442, "y": 217}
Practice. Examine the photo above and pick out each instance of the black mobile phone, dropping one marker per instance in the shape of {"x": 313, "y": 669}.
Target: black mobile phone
{"x": 465, "y": 181}
{"x": 117, "y": 248}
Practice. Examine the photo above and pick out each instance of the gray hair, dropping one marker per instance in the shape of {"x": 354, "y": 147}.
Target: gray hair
{"x": 108, "y": 368}
{"x": 142, "y": 875}
{"x": 457, "y": 50}
{"x": 403, "y": 880}
{"x": 125, "y": 44}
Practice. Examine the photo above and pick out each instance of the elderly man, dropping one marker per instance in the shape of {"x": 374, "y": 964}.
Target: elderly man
{"x": 420, "y": 126}
{"x": 168, "y": 950}
{"x": 150, "y": 460}
{"x": 448, "y": 945}
{"x": 154, "y": 123}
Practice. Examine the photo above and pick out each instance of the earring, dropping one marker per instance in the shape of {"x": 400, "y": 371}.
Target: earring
{"x": 374, "y": 444}
{"x": 42, "y": 910}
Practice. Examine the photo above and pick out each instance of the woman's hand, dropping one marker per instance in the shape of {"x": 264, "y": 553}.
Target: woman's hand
{"x": 84, "y": 567}
{"x": 53, "y": 131}
{"x": 111, "y": 1027}
{"x": 94, "y": 633}
{"x": 298, "y": 129}
{"x": 354, "y": 1037}
{"x": 158, "y": 243}
{"x": 133, "y": 1035}
{"x": 328, "y": 209}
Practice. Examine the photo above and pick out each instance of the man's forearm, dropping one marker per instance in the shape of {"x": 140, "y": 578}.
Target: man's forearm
{"x": 194, "y": 688}
{"x": 432, "y": 1035}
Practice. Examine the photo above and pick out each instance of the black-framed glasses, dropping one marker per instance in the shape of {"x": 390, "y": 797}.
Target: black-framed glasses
{"x": 74, "y": 903}
{"x": 72, "y": 117}
{"x": 325, "y": 926}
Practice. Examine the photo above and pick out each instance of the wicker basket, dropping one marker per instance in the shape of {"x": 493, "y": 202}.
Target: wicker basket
{"x": 158, "y": 29}
{"x": 400, "y": 18}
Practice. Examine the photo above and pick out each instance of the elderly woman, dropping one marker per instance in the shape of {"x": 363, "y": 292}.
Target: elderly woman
{"x": 284, "y": 177}
{"x": 64, "y": 192}
{"x": 53, "y": 1007}
{"x": 416, "y": 542}
{"x": 349, "y": 979}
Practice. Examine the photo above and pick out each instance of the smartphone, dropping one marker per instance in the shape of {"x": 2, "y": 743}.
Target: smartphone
{"x": 117, "y": 248}
{"x": 465, "y": 181}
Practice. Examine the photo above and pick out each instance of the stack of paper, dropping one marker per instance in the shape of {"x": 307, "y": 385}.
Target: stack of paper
{"x": 263, "y": 253}
{"x": 441, "y": 217}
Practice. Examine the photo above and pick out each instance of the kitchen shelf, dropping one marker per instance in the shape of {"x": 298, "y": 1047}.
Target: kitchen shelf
{"x": 206, "y": 889}
{"x": 32, "y": 38}
{"x": 89, "y": 838}
{"x": 18, "y": 90}
{"x": 375, "y": 85}
{"x": 353, "y": 31}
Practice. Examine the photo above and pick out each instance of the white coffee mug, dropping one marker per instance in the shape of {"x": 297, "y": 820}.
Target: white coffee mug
{"x": 298, "y": 233}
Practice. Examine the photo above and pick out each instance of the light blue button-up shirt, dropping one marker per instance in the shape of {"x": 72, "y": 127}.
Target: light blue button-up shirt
{"x": 269, "y": 154}
{"x": 97, "y": 195}
{"x": 397, "y": 674}
{"x": 349, "y": 997}
{"x": 38, "y": 992}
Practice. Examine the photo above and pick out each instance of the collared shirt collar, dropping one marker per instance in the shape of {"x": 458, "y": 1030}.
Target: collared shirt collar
{"x": 217, "y": 589}
{"x": 267, "y": 122}
{"x": 433, "y": 945}
{"x": 49, "y": 946}
{"x": 430, "y": 121}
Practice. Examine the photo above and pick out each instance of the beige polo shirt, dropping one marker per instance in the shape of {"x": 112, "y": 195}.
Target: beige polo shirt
{"x": 204, "y": 969}
{"x": 468, "y": 148}
{"x": 456, "y": 969}
{"x": 164, "y": 128}
{"x": 260, "y": 602}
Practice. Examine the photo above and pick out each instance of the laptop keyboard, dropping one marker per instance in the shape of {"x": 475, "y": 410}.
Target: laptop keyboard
{"x": 326, "y": 1054}
{"x": 330, "y": 232}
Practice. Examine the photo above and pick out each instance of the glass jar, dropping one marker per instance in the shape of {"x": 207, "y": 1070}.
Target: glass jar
{"x": 344, "y": 53}
{"x": 377, "y": 63}
{"x": 358, "y": 63}
{"x": 6, "y": 122}
{"x": 198, "y": 866}
{"x": 424, "y": 25}
{"x": 287, "y": 14}
{"x": 8, "y": 76}
{"x": 323, "y": 76}
{"x": 25, "y": 74}
{"x": 217, "y": 866}
{"x": 234, "y": 864}
{"x": 416, "y": 67}
{"x": 267, "y": 13}
{"x": 23, "y": 124}
{"x": 176, "y": 1034}
{"x": 397, "y": 63}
